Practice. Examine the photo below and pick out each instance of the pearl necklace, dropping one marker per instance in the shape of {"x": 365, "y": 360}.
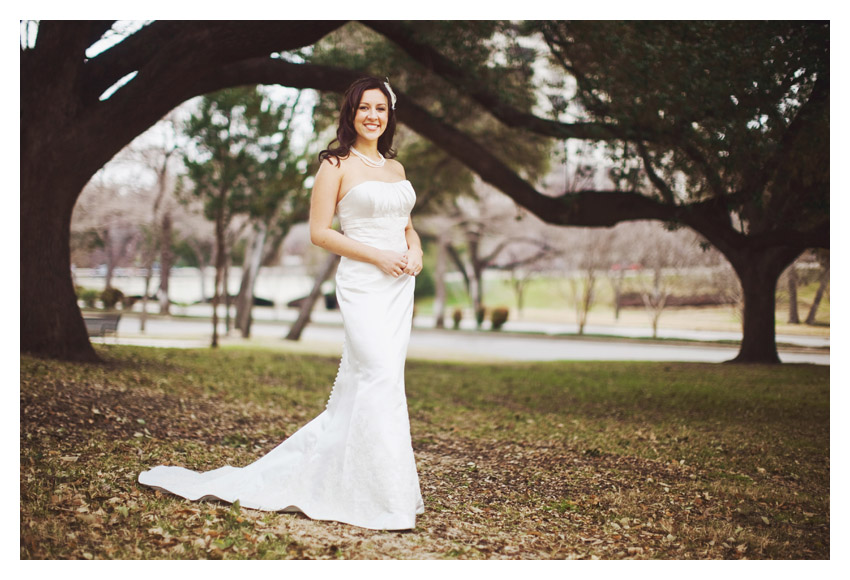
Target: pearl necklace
{"x": 368, "y": 161}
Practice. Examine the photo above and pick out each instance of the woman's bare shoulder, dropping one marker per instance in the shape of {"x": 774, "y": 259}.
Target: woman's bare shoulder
{"x": 329, "y": 175}
{"x": 396, "y": 167}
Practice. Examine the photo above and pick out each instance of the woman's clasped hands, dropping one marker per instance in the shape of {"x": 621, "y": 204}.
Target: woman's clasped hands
{"x": 395, "y": 264}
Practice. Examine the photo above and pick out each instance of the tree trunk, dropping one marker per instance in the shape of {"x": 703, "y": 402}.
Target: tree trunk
{"x": 51, "y": 180}
{"x": 654, "y": 300}
{"x": 793, "y": 314}
{"x": 226, "y": 291}
{"x": 143, "y": 319}
{"x": 824, "y": 280}
{"x": 307, "y": 306}
{"x": 759, "y": 272}
{"x": 220, "y": 262}
{"x": 165, "y": 262}
{"x": 476, "y": 289}
{"x": 110, "y": 259}
{"x": 759, "y": 340}
{"x": 617, "y": 284}
{"x": 440, "y": 284}
{"x": 582, "y": 289}
{"x": 519, "y": 283}
{"x": 203, "y": 271}
{"x": 245, "y": 300}
{"x": 51, "y": 322}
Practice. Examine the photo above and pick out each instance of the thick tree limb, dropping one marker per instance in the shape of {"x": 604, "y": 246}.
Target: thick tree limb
{"x": 404, "y": 36}
{"x": 659, "y": 183}
{"x": 199, "y": 46}
{"x": 583, "y": 208}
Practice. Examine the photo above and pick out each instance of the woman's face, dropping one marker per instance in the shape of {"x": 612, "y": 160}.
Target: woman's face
{"x": 372, "y": 115}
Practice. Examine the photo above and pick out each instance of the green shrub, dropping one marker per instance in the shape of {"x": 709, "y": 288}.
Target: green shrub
{"x": 87, "y": 295}
{"x": 110, "y": 297}
{"x": 498, "y": 317}
{"x": 457, "y": 316}
{"x": 480, "y": 315}
{"x": 128, "y": 301}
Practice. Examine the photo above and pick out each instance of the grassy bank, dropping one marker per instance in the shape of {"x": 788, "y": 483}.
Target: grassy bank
{"x": 554, "y": 460}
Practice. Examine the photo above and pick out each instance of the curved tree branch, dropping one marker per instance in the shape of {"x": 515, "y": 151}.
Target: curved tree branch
{"x": 131, "y": 54}
{"x": 178, "y": 52}
{"x": 659, "y": 183}
{"x": 590, "y": 208}
{"x": 178, "y": 69}
{"x": 98, "y": 29}
{"x": 405, "y": 37}
{"x": 815, "y": 108}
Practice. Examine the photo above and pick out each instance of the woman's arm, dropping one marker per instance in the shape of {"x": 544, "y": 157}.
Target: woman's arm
{"x": 414, "y": 250}
{"x": 322, "y": 208}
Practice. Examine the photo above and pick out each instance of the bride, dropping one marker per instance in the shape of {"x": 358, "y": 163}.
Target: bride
{"x": 354, "y": 462}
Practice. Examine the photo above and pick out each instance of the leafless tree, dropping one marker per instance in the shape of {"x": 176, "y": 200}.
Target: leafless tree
{"x": 793, "y": 314}
{"x": 328, "y": 269}
{"x": 494, "y": 233}
{"x": 667, "y": 258}
{"x": 104, "y": 223}
{"x": 585, "y": 256}
{"x": 158, "y": 156}
{"x": 823, "y": 284}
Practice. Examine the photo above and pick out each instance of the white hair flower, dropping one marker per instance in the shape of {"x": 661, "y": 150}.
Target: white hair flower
{"x": 392, "y": 94}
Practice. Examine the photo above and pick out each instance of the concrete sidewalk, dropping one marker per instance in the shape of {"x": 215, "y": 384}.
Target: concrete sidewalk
{"x": 287, "y": 316}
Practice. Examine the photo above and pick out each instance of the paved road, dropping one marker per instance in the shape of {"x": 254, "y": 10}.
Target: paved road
{"x": 326, "y": 336}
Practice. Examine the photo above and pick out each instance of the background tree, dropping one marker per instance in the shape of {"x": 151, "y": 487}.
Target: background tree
{"x": 107, "y": 223}
{"x": 235, "y": 168}
{"x": 793, "y": 314}
{"x": 587, "y": 256}
{"x": 159, "y": 158}
{"x": 664, "y": 257}
{"x": 823, "y": 284}
{"x": 195, "y": 245}
{"x": 488, "y": 231}
{"x": 282, "y": 202}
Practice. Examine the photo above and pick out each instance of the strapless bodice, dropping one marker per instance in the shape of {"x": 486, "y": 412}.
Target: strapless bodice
{"x": 376, "y": 213}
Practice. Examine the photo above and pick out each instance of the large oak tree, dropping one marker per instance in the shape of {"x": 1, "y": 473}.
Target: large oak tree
{"x": 729, "y": 123}
{"x": 68, "y": 133}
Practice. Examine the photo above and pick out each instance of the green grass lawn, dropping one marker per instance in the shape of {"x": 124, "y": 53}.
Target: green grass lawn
{"x": 543, "y": 460}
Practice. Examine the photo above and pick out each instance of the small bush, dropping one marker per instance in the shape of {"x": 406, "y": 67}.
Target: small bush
{"x": 110, "y": 297}
{"x": 457, "y": 316}
{"x": 87, "y": 295}
{"x": 480, "y": 315}
{"x": 128, "y": 302}
{"x": 498, "y": 317}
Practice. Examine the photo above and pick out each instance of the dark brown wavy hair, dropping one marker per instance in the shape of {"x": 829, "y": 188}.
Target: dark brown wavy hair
{"x": 345, "y": 133}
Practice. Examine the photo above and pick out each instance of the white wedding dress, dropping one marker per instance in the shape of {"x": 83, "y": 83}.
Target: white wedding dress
{"x": 354, "y": 462}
